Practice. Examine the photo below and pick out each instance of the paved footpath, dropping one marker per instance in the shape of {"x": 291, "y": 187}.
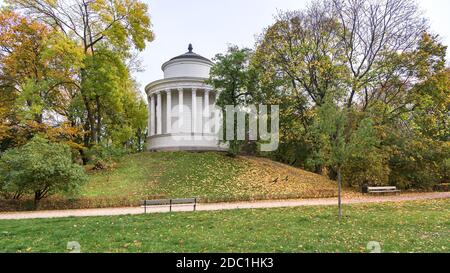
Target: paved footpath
{"x": 222, "y": 206}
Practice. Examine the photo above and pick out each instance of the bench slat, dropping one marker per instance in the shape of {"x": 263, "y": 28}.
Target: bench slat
{"x": 381, "y": 188}
{"x": 388, "y": 189}
{"x": 169, "y": 201}
{"x": 156, "y": 202}
{"x": 383, "y": 191}
{"x": 184, "y": 201}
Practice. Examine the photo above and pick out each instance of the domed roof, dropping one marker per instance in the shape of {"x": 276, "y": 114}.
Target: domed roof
{"x": 189, "y": 64}
{"x": 190, "y": 55}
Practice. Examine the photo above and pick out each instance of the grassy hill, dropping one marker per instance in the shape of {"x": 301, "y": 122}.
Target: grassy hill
{"x": 212, "y": 177}
{"x": 399, "y": 227}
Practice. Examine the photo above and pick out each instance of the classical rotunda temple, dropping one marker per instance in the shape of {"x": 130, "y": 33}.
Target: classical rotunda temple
{"x": 180, "y": 104}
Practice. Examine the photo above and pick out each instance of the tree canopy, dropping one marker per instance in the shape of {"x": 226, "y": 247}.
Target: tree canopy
{"x": 363, "y": 91}
{"x": 66, "y": 71}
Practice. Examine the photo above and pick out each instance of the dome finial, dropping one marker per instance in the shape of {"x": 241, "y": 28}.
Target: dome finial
{"x": 190, "y": 48}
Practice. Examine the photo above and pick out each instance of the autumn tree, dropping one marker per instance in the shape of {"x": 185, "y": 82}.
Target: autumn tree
{"x": 365, "y": 48}
{"x": 37, "y": 73}
{"x": 124, "y": 26}
{"x": 299, "y": 60}
{"x": 376, "y": 58}
{"x": 302, "y": 51}
{"x": 372, "y": 32}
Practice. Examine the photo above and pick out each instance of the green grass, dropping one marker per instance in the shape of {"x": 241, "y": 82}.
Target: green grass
{"x": 399, "y": 227}
{"x": 212, "y": 177}
{"x": 171, "y": 174}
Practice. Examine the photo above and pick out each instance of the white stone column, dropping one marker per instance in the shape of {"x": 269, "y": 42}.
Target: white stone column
{"x": 217, "y": 118}
{"x": 152, "y": 115}
{"x": 159, "y": 114}
{"x": 194, "y": 110}
{"x": 169, "y": 111}
{"x": 149, "y": 114}
{"x": 180, "y": 110}
{"x": 206, "y": 113}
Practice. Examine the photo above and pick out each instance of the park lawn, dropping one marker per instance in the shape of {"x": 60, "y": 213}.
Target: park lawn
{"x": 422, "y": 226}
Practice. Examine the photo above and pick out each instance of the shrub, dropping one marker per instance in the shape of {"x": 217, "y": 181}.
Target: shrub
{"x": 418, "y": 163}
{"x": 101, "y": 157}
{"x": 42, "y": 168}
{"x": 445, "y": 170}
{"x": 371, "y": 169}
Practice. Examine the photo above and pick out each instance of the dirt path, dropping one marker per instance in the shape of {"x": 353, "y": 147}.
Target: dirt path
{"x": 223, "y": 206}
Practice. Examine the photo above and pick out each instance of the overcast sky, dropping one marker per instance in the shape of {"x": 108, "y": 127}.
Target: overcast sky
{"x": 210, "y": 25}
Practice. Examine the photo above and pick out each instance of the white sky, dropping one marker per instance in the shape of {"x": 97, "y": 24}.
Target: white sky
{"x": 210, "y": 25}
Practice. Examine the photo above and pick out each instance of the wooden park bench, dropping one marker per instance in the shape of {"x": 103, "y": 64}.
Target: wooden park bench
{"x": 170, "y": 203}
{"x": 380, "y": 190}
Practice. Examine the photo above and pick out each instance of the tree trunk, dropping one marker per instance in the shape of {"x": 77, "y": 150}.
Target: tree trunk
{"x": 90, "y": 120}
{"x": 99, "y": 119}
{"x": 339, "y": 192}
{"x": 37, "y": 198}
{"x": 84, "y": 157}
{"x": 86, "y": 136}
{"x": 139, "y": 139}
{"x": 39, "y": 195}
{"x": 332, "y": 173}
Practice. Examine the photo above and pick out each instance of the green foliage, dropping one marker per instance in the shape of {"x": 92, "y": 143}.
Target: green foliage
{"x": 338, "y": 140}
{"x": 123, "y": 112}
{"x": 82, "y": 59}
{"x": 104, "y": 73}
{"x": 430, "y": 117}
{"x": 348, "y": 145}
{"x": 36, "y": 77}
{"x": 103, "y": 156}
{"x": 41, "y": 168}
{"x": 301, "y": 54}
{"x": 371, "y": 169}
{"x": 236, "y": 80}
{"x": 293, "y": 153}
{"x": 123, "y": 22}
{"x": 233, "y": 76}
{"x": 445, "y": 169}
{"x": 418, "y": 163}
